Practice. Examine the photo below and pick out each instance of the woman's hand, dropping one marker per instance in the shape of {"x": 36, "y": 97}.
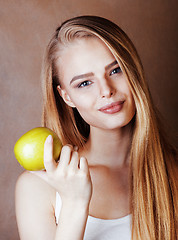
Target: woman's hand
{"x": 70, "y": 177}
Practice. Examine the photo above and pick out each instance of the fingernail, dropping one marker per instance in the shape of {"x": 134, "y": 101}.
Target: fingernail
{"x": 48, "y": 139}
{"x": 75, "y": 148}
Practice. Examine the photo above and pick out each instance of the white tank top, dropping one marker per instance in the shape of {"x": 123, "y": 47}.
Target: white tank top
{"x": 102, "y": 229}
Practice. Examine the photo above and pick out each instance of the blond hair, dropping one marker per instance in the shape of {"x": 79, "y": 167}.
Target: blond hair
{"x": 153, "y": 166}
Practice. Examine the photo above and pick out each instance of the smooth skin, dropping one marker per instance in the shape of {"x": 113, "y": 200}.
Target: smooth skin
{"x": 98, "y": 183}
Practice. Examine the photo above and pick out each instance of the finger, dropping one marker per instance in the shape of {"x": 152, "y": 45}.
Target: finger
{"x": 65, "y": 155}
{"x": 83, "y": 164}
{"x": 74, "y": 163}
{"x": 75, "y": 148}
{"x": 49, "y": 163}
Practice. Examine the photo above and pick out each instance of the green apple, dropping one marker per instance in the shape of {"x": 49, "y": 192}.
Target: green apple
{"x": 29, "y": 149}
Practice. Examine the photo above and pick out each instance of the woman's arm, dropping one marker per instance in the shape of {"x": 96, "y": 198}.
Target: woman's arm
{"x": 35, "y": 199}
{"x": 72, "y": 222}
{"x": 34, "y": 202}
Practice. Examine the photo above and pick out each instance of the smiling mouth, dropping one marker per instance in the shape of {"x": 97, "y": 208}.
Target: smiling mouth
{"x": 112, "y": 108}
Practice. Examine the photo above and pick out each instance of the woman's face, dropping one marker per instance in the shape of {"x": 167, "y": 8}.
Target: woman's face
{"x": 93, "y": 82}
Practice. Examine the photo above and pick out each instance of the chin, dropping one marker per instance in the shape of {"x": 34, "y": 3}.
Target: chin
{"x": 118, "y": 124}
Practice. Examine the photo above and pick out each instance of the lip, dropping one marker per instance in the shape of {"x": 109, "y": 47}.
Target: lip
{"x": 112, "y": 108}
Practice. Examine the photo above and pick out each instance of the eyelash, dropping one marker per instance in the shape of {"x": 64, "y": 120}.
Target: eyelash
{"x": 118, "y": 68}
{"x": 85, "y": 83}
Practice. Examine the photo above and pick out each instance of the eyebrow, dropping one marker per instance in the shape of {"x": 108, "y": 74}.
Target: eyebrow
{"x": 91, "y": 74}
{"x": 111, "y": 65}
{"x": 81, "y": 76}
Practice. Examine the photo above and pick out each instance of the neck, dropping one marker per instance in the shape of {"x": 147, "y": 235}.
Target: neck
{"x": 109, "y": 148}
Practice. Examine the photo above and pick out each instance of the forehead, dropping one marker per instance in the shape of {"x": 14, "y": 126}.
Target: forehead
{"x": 86, "y": 45}
{"x": 82, "y": 56}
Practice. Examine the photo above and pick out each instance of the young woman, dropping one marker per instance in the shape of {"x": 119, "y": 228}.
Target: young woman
{"x": 117, "y": 173}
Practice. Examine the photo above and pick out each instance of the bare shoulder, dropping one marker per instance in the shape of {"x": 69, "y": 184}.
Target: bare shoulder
{"x": 31, "y": 190}
{"x": 28, "y": 183}
{"x": 34, "y": 204}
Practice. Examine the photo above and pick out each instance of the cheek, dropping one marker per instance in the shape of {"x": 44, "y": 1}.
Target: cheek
{"x": 131, "y": 108}
{"x": 85, "y": 107}
{"x": 127, "y": 92}
{"x": 82, "y": 101}
{"x": 132, "y": 105}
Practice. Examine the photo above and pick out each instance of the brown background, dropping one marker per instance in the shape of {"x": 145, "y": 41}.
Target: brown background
{"x": 26, "y": 26}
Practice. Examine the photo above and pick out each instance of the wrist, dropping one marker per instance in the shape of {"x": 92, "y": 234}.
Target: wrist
{"x": 78, "y": 205}
{"x": 73, "y": 219}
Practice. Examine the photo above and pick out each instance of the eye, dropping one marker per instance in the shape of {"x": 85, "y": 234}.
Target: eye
{"x": 115, "y": 71}
{"x": 84, "y": 84}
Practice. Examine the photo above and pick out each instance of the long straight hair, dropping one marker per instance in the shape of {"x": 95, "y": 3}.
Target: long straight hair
{"x": 153, "y": 165}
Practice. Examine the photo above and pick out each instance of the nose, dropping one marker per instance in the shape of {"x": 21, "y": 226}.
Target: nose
{"x": 106, "y": 89}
